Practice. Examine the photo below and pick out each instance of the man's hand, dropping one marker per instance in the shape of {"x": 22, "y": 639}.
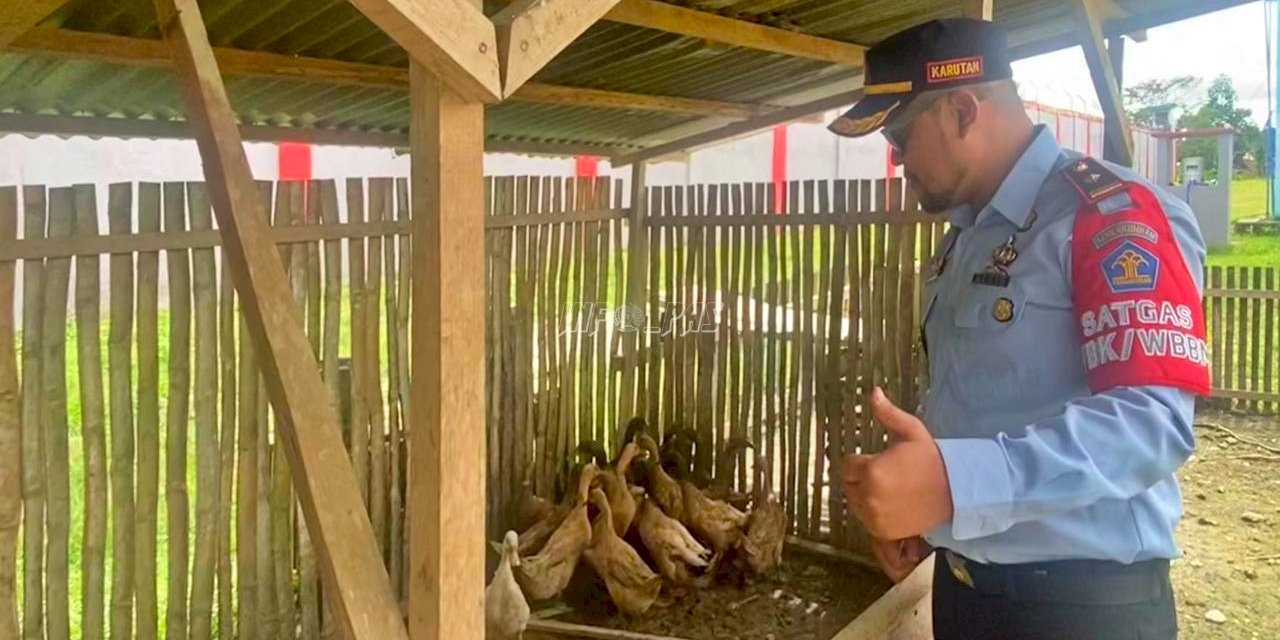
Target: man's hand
{"x": 899, "y": 557}
{"x": 904, "y": 491}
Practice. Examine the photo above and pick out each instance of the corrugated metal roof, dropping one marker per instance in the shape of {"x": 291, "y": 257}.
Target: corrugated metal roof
{"x": 609, "y": 56}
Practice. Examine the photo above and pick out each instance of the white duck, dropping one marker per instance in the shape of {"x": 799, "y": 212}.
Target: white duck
{"x": 506, "y": 611}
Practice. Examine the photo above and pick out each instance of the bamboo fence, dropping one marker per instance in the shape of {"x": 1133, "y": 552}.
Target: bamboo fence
{"x": 768, "y": 316}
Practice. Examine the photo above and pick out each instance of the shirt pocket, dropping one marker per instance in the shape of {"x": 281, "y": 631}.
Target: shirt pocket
{"x": 990, "y": 339}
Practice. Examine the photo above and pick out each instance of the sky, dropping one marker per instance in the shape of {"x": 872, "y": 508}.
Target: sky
{"x": 1231, "y": 41}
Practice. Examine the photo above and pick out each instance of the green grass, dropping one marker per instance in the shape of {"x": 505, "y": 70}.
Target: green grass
{"x": 1248, "y": 200}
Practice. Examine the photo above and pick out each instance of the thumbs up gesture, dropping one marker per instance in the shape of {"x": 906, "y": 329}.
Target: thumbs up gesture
{"x": 902, "y": 492}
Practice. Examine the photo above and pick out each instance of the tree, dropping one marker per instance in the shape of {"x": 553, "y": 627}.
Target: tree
{"x": 1219, "y": 110}
{"x": 1147, "y": 101}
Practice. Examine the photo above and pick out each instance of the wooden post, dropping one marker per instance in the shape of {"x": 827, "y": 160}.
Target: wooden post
{"x": 1119, "y": 138}
{"x": 980, "y": 9}
{"x": 355, "y": 577}
{"x": 637, "y": 268}
{"x": 446, "y": 428}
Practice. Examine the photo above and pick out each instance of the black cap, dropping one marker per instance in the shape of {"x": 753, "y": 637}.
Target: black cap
{"x": 940, "y": 54}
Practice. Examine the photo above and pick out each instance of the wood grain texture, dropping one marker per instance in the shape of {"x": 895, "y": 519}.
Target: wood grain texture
{"x": 327, "y": 489}
{"x": 447, "y": 477}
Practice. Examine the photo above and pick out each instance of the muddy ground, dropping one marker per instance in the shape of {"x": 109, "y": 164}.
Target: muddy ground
{"x": 1230, "y": 536}
{"x": 812, "y": 599}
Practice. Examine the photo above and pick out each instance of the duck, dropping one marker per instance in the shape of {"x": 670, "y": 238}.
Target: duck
{"x": 715, "y": 521}
{"x": 674, "y": 551}
{"x": 719, "y": 486}
{"x": 544, "y": 576}
{"x": 766, "y": 528}
{"x": 505, "y": 608}
{"x": 530, "y": 508}
{"x": 632, "y": 585}
{"x": 663, "y": 488}
{"x": 613, "y": 479}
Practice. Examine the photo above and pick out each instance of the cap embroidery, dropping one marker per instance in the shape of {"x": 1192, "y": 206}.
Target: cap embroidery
{"x": 956, "y": 69}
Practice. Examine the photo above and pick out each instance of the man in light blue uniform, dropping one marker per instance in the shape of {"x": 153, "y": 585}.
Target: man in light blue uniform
{"x": 1066, "y": 348}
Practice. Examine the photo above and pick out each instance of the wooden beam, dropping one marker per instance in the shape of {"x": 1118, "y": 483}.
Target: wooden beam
{"x": 653, "y": 14}
{"x": 356, "y": 582}
{"x": 169, "y": 130}
{"x": 778, "y": 117}
{"x": 567, "y": 630}
{"x": 532, "y": 32}
{"x": 980, "y": 9}
{"x": 597, "y": 98}
{"x": 241, "y": 63}
{"x": 1119, "y": 137}
{"x": 451, "y": 37}
{"x": 1115, "y": 50}
{"x": 20, "y": 16}
{"x": 446, "y": 425}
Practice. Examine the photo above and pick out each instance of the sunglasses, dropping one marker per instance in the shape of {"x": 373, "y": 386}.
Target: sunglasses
{"x": 899, "y": 132}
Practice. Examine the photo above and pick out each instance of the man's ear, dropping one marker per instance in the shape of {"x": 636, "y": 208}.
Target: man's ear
{"x": 965, "y": 105}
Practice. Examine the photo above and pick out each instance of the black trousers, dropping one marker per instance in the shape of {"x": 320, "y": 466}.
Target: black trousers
{"x": 996, "y": 609}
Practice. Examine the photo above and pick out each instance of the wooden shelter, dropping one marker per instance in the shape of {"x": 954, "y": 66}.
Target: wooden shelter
{"x": 633, "y": 80}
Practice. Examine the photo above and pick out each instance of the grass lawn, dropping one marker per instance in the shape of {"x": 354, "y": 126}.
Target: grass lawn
{"x": 1248, "y": 200}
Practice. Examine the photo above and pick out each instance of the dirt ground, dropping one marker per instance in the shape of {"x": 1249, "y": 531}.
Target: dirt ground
{"x": 812, "y": 599}
{"x": 1230, "y": 533}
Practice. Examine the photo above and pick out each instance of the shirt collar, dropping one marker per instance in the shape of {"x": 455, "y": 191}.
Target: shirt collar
{"x": 1017, "y": 193}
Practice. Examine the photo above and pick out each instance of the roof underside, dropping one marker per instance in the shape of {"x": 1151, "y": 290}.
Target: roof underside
{"x": 610, "y": 56}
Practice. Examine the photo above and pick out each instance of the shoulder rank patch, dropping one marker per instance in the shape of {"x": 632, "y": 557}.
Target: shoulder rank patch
{"x": 1115, "y": 204}
{"x": 1094, "y": 181}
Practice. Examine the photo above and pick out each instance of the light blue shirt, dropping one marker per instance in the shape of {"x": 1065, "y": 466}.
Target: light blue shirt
{"x": 1040, "y": 467}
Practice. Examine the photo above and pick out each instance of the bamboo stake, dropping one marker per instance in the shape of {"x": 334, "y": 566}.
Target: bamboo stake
{"x": 308, "y": 599}
{"x": 10, "y": 429}
{"x": 600, "y": 335}
{"x": 57, "y": 464}
{"x": 1255, "y": 324}
{"x": 330, "y": 360}
{"x": 380, "y": 198}
{"x": 270, "y": 610}
{"x": 206, "y": 421}
{"x": 282, "y": 507}
{"x": 146, "y": 520}
{"x": 539, "y": 340}
{"x": 735, "y": 320}
{"x": 708, "y": 297}
{"x": 178, "y": 416}
{"x": 356, "y": 276}
{"x": 1269, "y": 349}
{"x": 247, "y": 575}
{"x": 33, "y": 427}
{"x": 394, "y": 416}
{"x": 836, "y": 392}
{"x": 226, "y": 458}
{"x": 520, "y": 380}
{"x": 405, "y": 295}
{"x": 120, "y": 364}
{"x": 93, "y": 421}
{"x": 542, "y": 287}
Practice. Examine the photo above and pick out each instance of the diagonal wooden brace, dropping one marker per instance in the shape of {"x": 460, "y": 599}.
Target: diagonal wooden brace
{"x": 355, "y": 579}
{"x": 1119, "y": 137}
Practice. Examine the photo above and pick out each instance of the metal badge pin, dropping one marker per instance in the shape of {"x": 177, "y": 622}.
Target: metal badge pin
{"x": 1002, "y": 310}
{"x": 1005, "y": 254}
